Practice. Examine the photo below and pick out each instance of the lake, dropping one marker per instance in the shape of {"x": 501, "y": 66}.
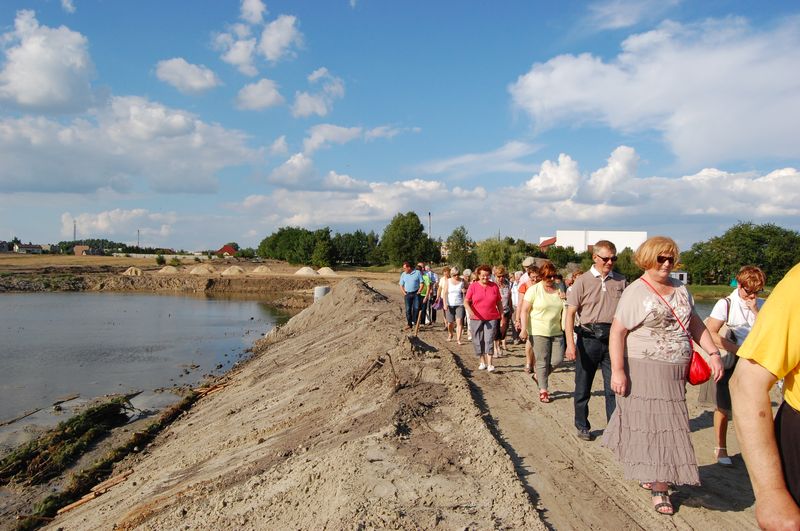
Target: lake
{"x": 54, "y": 345}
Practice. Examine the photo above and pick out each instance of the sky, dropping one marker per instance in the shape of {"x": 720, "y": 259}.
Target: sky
{"x": 193, "y": 123}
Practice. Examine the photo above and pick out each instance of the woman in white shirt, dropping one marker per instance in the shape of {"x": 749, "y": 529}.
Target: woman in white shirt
{"x": 738, "y": 311}
{"x": 453, "y": 300}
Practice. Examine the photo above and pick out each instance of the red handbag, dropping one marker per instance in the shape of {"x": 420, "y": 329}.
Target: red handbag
{"x": 699, "y": 371}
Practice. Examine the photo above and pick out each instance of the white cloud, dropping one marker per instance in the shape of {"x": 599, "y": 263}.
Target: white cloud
{"x": 185, "y": 76}
{"x": 610, "y": 184}
{"x": 259, "y": 96}
{"x": 118, "y": 222}
{"x": 388, "y": 131}
{"x": 555, "y": 181}
{"x": 321, "y": 103}
{"x": 253, "y": 11}
{"x": 237, "y": 50}
{"x": 68, "y": 6}
{"x": 617, "y": 14}
{"x": 295, "y": 172}
{"x": 323, "y": 134}
{"x": 337, "y": 181}
{"x": 46, "y": 69}
{"x": 278, "y": 38}
{"x": 130, "y": 143}
{"x": 279, "y": 146}
{"x": 685, "y": 82}
{"x": 504, "y": 159}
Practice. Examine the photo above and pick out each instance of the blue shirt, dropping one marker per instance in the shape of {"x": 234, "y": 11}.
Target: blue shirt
{"x": 411, "y": 281}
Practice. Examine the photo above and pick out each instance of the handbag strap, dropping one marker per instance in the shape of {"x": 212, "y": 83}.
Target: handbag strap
{"x": 691, "y": 342}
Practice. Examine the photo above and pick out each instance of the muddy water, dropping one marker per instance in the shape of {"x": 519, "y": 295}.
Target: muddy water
{"x": 54, "y": 345}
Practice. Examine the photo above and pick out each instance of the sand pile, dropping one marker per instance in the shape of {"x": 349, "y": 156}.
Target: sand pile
{"x": 133, "y": 272}
{"x": 320, "y": 430}
{"x": 262, "y": 270}
{"x": 233, "y": 271}
{"x": 168, "y": 270}
{"x": 204, "y": 269}
{"x": 327, "y": 272}
{"x": 305, "y": 271}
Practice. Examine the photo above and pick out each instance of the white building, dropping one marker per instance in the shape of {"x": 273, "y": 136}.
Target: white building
{"x": 583, "y": 240}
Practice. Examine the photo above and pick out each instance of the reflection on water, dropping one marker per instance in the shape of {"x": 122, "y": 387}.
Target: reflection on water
{"x": 58, "y": 344}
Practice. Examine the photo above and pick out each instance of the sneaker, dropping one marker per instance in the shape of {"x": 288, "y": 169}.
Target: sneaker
{"x": 481, "y": 366}
{"x": 490, "y": 368}
{"x": 584, "y": 435}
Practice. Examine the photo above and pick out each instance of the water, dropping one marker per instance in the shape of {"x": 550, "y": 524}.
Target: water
{"x": 58, "y": 344}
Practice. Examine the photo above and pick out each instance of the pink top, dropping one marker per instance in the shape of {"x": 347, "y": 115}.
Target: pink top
{"x": 484, "y": 300}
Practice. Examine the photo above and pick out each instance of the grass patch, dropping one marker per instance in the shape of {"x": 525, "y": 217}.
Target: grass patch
{"x": 709, "y": 292}
{"x": 83, "y": 481}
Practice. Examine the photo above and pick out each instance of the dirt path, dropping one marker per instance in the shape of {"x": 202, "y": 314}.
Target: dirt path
{"x": 578, "y": 484}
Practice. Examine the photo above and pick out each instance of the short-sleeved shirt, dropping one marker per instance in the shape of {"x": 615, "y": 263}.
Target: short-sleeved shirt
{"x": 426, "y": 285}
{"x": 774, "y": 341}
{"x": 410, "y": 281}
{"x": 546, "y": 308}
{"x": 653, "y": 331}
{"x": 505, "y": 295}
{"x": 484, "y": 300}
{"x": 595, "y": 297}
{"x": 736, "y": 315}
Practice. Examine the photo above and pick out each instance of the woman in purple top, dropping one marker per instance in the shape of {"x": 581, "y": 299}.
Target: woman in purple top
{"x": 485, "y": 310}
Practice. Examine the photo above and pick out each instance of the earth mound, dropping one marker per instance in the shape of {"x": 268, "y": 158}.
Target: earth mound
{"x": 204, "y": 269}
{"x": 327, "y": 272}
{"x": 168, "y": 270}
{"x": 306, "y": 272}
{"x": 233, "y": 271}
{"x": 262, "y": 270}
{"x": 133, "y": 272}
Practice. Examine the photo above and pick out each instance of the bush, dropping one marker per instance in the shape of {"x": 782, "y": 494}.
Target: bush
{"x": 197, "y": 259}
{"x": 160, "y": 260}
{"x": 175, "y": 262}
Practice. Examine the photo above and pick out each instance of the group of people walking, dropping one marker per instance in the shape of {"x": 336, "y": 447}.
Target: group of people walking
{"x": 641, "y": 337}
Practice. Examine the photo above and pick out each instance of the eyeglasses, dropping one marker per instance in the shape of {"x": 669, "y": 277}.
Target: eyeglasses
{"x": 662, "y": 259}
{"x": 751, "y": 292}
{"x": 605, "y": 259}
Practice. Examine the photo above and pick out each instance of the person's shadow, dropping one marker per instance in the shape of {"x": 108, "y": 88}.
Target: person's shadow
{"x": 724, "y": 488}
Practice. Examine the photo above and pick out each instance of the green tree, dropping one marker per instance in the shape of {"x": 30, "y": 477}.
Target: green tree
{"x": 494, "y": 252}
{"x": 405, "y": 239}
{"x": 626, "y": 266}
{"x": 561, "y": 256}
{"x": 234, "y": 245}
{"x": 460, "y": 248}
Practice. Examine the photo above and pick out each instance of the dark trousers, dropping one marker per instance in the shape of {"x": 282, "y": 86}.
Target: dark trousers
{"x": 412, "y": 307}
{"x": 592, "y": 353}
{"x": 787, "y": 434}
{"x": 423, "y": 306}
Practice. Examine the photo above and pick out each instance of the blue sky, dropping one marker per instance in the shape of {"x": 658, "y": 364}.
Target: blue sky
{"x": 203, "y": 122}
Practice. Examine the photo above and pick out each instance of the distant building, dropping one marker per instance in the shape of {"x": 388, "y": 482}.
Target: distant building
{"x": 3, "y": 246}
{"x": 28, "y": 248}
{"x": 583, "y": 240}
{"x": 226, "y": 250}
{"x": 683, "y": 276}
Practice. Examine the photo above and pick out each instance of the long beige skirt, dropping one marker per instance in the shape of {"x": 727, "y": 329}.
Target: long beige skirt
{"x": 649, "y": 430}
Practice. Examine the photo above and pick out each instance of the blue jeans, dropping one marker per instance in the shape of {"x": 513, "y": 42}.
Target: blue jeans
{"x": 412, "y": 307}
{"x": 592, "y": 353}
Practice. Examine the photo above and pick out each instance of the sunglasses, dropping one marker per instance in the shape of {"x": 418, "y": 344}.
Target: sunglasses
{"x": 551, "y": 277}
{"x": 605, "y": 259}
{"x": 662, "y": 259}
{"x": 751, "y": 291}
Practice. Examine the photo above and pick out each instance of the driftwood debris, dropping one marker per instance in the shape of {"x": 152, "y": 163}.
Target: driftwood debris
{"x": 377, "y": 364}
{"x": 66, "y": 399}
{"x": 97, "y": 490}
{"x": 27, "y": 414}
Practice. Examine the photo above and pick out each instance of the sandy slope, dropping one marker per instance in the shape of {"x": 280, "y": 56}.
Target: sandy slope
{"x": 295, "y": 441}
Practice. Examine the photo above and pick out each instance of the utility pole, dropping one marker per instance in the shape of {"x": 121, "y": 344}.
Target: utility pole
{"x": 74, "y": 231}
{"x": 430, "y": 234}
{"x": 137, "y": 238}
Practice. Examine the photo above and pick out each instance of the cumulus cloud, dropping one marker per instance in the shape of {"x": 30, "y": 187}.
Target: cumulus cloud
{"x": 68, "y": 6}
{"x": 320, "y": 103}
{"x": 253, "y": 11}
{"x": 610, "y": 184}
{"x": 324, "y": 134}
{"x": 555, "y": 181}
{"x": 388, "y": 131}
{"x": 279, "y": 146}
{"x": 258, "y": 96}
{"x": 237, "y": 49}
{"x": 118, "y": 222}
{"x": 505, "y": 159}
{"x": 129, "y": 143}
{"x": 46, "y": 69}
{"x": 686, "y": 83}
{"x": 280, "y": 38}
{"x": 295, "y": 172}
{"x": 617, "y": 14}
{"x": 186, "y": 77}
{"x": 337, "y": 181}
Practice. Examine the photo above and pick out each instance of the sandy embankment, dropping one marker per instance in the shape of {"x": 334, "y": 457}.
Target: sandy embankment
{"x": 339, "y": 421}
